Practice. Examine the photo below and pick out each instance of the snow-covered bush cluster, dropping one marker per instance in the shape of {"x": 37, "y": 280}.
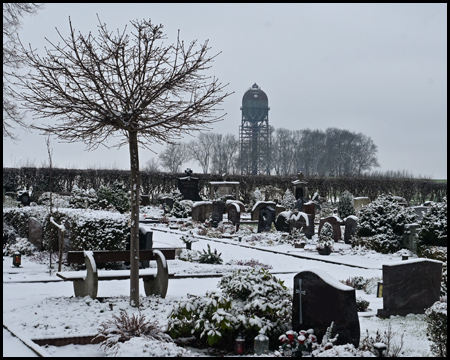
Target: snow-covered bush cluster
{"x": 326, "y": 240}
{"x": 210, "y": 257}
{"x": 21, "y": 245}
{"x": 381, "y": 225}
{"x": 116, "y": 196}
{"x": 251, "y": 302}
{"x": 58, "y": 201}
{"x": 288, "y": 200}
{"x": 436, "y": 318}
{"x": 107, "y": 198}
{"x": 360, "y": 283}
{"x": 346, "y": 206}
{"x": 433, "y": 227}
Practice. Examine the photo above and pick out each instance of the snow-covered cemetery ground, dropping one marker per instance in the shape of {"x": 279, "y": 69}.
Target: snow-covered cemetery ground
{"x": 39, "y": 305}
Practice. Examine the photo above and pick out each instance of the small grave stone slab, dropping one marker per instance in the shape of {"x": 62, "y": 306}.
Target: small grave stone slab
{"x": 24, "y": 198}
{"x": 319, "y": 299}
{"x": 409, "y": 236}
{"x": 234, "y": 213}
{"x": 167, "y": 201}
{"x": 300, "y": 220}
{"x": 259, "y": 205}
{"x": 35, "y": 231}
{"x": 145, "y": 200}
{"x": 201, "y": 210}
{"x": 350, "y": 228}
{"x": 309, "y": 208}
{"x": 282, "y": 221}
{"x": 336, "y": 223}
{"x": 266, "y": 218}
{"x": 239, "y": 203}
{"x": 217, "y": 212}
{"x": 420, "y": 211}
{"x": 409, "y": 287}
{"x": 359, "y": 202}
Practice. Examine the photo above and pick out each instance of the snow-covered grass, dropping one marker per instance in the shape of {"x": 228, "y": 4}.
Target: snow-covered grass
{"x": 33, "y": 309}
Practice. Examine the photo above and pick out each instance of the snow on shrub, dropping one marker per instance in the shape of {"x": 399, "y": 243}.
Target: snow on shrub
{"x": 381, "y": 225}
{"x": 436, "y": 318}
{"x": 346, "y": 205}
{"x": 433, "y": 227}
{"x": 116, "y": 196}
{"x": 252, "y": 301}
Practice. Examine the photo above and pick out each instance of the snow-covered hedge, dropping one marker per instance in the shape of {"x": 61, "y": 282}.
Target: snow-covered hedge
{"x": 437, "y": 328}
{"x": 433, "y": 227}
{"x": 251, "y": 302}
{"x": 87, "y": 229}
{"x": 381, "y": 224}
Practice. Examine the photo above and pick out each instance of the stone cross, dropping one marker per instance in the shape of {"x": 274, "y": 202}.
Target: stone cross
{"x": 300, "y": 292}
{"x": 188, "y": 171}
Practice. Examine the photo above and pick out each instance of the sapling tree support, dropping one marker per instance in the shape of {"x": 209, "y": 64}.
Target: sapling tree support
{"x": 125, "y": 88}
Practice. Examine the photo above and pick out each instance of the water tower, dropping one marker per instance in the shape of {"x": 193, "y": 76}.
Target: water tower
{"x": 254, "y": 132}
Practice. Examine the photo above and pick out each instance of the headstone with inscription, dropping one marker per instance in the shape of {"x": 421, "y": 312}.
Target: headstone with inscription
{"x": 234, "y": 213}
{"x": 201, "y": 210}
{"x": 409, "y": 287}
{"x": 188, "y": 187}
{"x": 319, "y": 299}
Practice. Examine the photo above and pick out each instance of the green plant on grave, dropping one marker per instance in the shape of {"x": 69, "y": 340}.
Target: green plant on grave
{"x": 433, "y": 226}
{"x": 361, "y": 304}
{"x": 251, "y": 301}
{"x": 210, "y": 257}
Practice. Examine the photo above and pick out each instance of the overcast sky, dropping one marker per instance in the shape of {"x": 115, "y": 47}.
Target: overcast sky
{"x": 378, "y": 69}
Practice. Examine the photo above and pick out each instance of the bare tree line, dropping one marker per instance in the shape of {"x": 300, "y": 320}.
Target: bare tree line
{"x": 333, "y": 152}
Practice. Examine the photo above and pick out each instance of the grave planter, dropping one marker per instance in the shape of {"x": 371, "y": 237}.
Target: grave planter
{"x": 326, "y": 250}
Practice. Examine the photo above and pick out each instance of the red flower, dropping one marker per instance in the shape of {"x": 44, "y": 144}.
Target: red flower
{"x": 301, "y": 339}
{"x": 291, "y": 337}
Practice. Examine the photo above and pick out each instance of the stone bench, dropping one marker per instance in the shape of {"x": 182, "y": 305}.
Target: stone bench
{"x": 86, "y": 283}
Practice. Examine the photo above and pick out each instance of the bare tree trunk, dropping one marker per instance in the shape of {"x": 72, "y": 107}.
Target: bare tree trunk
{"x": 134, "y": 219}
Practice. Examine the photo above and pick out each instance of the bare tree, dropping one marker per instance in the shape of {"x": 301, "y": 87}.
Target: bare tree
{"x": 174, "y": 156}
{"x": 201, "y": 150}
{"x": 12, "y": 14}
{"x": 152, "y": 165}
{"x": 130, "y": 88}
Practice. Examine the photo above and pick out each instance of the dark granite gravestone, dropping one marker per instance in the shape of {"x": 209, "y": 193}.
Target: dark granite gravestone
{"x": 266, "y": 218}
{"x": 167, "y": 203}
{"x": 301, "y": 220}
{"x": 201, "y": 210}
{"x": 145, "y": 243}
{"x": 337, "y": 234}
{"x": 409, "y": 287}
{"x": 217, "y": 212}
{"x": 24, "y": 198}
{"x": 35, "y": 231}
{"x": 188, "y": 187}
{"x": 282, "y": 221}
{"x": 350, "y": 228}
{"x": 319, "y": 300}
{"x": 259, "y": 205}
{"x": 309, "y": 208}
{"x": 234, "y": 213}
{"x": 145, "y": 200}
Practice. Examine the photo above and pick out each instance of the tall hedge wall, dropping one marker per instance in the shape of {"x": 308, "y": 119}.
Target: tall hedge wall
{"x": 155, "y": 183}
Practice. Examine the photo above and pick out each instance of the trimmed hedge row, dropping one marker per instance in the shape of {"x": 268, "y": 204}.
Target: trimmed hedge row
{"x": 86, "y": 229}
{"x": 155, "y": 183}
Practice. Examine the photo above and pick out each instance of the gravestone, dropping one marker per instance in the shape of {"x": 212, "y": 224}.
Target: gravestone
{"x": 319, "y": 300}
{"x": 217, "y": 212}
{"x": 299, "y": 203}
{"x": 359, "y": 202}
{"x": 300, "y": 220}
{"x": 336, "y": 223}
{"x": 234, "y": 213}
{"x": 188, "y": 187}
{"x": 35, "y": 231}
{"x": 145, "y": 200}
{"x": 237, "y": 202}
{"x": 201, "y": 210}
{"x": 420, "y": 211}
{"x": 266, "y": 218}
{"x": 350, "y": 228}
{"x": 145, "y": 243}
{"x": 24, "y": 198}
{"x": 166, "y": 202}
{"x": 409, "y": 287}
{"x": 282, "y": 221}
{"x": 259, "y": 205}
{"x": 309, "y": 207}
{"x": 410, "y": 232}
